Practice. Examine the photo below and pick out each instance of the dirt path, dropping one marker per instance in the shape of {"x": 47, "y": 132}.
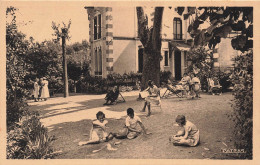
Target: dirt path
{"x": 69, "y": 120}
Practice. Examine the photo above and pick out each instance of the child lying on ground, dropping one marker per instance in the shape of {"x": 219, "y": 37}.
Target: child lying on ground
{"x": 98, "y": 132}
{"x": 188, "y": 136}
{"x": 131, "y": 130}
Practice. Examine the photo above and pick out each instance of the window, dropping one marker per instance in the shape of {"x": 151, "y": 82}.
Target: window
{"x": 97, "y": 27}
{"x": 177, "y": 29}
{"x": 166, "y": 58}
{"x": 98, "y": 61}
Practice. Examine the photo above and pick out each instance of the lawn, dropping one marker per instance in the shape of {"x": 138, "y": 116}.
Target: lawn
{"x": 209, "y": 114}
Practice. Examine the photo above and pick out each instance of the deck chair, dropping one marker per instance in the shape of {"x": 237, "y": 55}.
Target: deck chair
{"x": 115, "y": 98}
{"x": 173, "y": 90}
{"x": 120, "y": 100}
{"x": 214, "y": 87}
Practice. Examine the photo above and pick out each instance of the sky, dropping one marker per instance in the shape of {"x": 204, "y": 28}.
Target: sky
{"x": 39, "y": 17}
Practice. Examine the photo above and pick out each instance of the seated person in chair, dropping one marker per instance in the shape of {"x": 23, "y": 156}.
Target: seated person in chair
{"x": 214, "y": 86}
{"x": 195, "y": 86}
{"x": 185, "y": 83}
{"x": 112, "y": 96}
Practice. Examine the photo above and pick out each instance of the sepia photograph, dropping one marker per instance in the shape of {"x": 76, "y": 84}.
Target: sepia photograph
{"x": 128, "y": 80}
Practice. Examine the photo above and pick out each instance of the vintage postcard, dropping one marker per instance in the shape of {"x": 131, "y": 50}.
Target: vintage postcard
{"x": 129, "y": 82}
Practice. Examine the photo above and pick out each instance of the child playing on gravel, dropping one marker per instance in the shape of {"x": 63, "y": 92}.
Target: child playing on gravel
{"x": 98, "y": 132}
{"x": 131, "y": 130}
{"x": 188, "y": 136}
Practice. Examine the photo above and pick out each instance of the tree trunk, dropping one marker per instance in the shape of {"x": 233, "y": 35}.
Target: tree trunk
{"x": 151, "y": 40}
{"x": 65, "y": 74}
{"x": 151, "y": 68}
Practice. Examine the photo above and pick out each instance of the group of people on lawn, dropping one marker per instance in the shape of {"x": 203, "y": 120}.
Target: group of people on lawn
{"x": 188, "y": 135}
{"x": 40, "y": 89}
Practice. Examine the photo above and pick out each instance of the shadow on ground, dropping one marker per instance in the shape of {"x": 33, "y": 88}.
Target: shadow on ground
{"x": 209, "y": 114}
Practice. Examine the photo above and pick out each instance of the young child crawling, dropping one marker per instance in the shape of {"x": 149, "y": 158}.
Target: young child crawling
{"x": 188, "y": 136}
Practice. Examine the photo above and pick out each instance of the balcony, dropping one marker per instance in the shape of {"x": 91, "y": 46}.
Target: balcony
{"x": 177, "y": 36}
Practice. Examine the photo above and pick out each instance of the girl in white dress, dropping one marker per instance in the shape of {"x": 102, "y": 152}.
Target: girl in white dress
{"x": 45, "y": 90}
{"x": 98, "y": 132}
{"x": 36, "y": 90}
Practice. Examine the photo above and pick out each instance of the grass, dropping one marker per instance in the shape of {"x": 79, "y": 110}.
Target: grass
{"x": 208, "y": 113}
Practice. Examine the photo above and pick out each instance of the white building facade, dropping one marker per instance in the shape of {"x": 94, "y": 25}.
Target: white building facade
{"x": 115, "y": 46}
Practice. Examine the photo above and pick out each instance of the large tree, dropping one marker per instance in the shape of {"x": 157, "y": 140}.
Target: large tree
{"x": 150, "y": 37}
{"x": 63, "y": 33}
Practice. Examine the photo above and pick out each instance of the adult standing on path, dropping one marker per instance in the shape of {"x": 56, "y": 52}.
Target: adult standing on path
{"x": 154, "y": 96}
{"x": 45, "y": 90}
{"x": 36, "y": 89}
{"x": 40, "y": 88}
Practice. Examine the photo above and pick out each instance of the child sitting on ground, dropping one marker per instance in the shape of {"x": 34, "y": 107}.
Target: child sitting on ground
{"x": 131, "y": 129}
{"x": 98, "y": 132}
{"x": 188, "y": 136}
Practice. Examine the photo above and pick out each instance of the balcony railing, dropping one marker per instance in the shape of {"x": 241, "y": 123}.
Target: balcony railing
{"x": 177, "y": 36}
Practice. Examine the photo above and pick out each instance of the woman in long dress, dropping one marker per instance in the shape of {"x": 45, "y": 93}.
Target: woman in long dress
{"x": 36, "y": 90}
{"x": 45, "y": 90}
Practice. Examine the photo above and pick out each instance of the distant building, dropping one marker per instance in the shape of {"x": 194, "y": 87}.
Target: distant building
{"x": 115, "y": 46}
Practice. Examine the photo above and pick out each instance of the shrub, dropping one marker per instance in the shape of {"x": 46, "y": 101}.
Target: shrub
{"x": 29, "y": 140}
{"x": 198, "y": 57}
{"x": 15, "y": 109}
{"x": 225, "y": 82}
{"x": 243, "y": 103}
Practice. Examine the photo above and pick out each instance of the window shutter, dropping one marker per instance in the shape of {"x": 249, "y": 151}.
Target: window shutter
{"x": 95, "y": 28}
{"x": 99, "y": 26}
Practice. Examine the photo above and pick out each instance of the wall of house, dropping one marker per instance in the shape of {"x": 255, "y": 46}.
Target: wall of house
{"x": 99, "y": 43}
{"x": 167, "y": 24}
{"x": 124, "y": 21}
{"x": 226, "y": 53}
{"x": 125, "y": 55}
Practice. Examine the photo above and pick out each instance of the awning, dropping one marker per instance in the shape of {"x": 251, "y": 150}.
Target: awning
{"x": 182, "y": 48}
{"x": 179, "y": 46}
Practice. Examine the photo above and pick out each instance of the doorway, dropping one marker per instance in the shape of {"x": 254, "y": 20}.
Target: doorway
{"x": 177, "y": 64}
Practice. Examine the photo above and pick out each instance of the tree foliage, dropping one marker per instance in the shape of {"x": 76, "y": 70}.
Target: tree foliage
{"x": 16, "y": 69}
{"x": 221, "y": 22}
{"x": 198, "y": 57}
{"x": 243, "y": 103}
{"x": 45, "y": 59}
